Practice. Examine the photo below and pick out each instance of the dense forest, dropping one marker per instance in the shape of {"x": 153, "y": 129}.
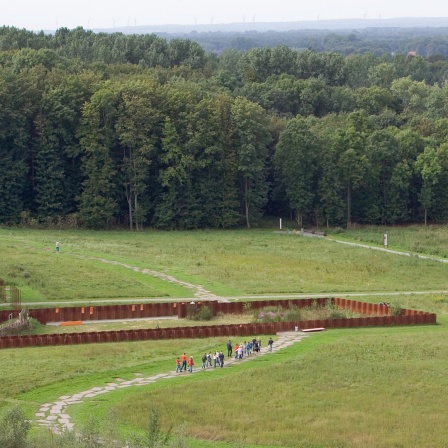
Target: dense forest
{"x": 107, "y": 130}
{"x": 424, "y": 42}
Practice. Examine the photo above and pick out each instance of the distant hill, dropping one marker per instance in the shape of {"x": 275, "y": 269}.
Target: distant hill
{"x": 347, "y": 24}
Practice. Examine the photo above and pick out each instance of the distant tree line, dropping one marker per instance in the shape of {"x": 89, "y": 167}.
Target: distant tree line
{"x": 426, "y": 42}
{"x": 104, "y": 130}
{"x": 146, "y": 50}
{"x": 165, "y": 49}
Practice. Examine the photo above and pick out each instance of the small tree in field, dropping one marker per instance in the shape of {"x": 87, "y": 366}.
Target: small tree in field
{"x": 13, "y": 429}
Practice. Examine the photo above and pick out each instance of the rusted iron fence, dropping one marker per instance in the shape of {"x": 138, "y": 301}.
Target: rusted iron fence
{"x": 106, "y": 312}
{"x": 179, "y": 309}
{"x": 375, "y": 315}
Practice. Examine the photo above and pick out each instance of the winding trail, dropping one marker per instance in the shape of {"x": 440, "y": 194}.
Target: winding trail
{"x": 56, "y": 418}
{"x": 55, "y": 415}
{"x": 202, "y": 294}
{"x": 199, "y": 291}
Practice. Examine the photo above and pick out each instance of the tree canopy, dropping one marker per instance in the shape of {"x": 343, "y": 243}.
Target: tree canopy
{"x": 103, "y": 130}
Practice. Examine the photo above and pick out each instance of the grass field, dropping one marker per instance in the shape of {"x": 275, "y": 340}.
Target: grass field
{"x": 226, "y": 263}
{"x": 429, "y": 240}
{"x": 371, "y": 387}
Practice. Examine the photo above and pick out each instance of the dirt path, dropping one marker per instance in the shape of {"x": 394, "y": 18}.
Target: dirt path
{"x": 199, "y": 291}
{"x": 233, "y": 298}
{"x": 55, "y": 416}
{"x": 390, "y": 251}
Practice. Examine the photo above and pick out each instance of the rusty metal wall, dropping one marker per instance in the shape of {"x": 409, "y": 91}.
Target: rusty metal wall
{"x": 417, "y": 318}
{"x": 110, "y": 312}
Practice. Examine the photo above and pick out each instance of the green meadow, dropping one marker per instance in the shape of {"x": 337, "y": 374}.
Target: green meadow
{"x": 228, "y": 263}
{"x": 341, "y": 388}
{"x": 428, "y": 240}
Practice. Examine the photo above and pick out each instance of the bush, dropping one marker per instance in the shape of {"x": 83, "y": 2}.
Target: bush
{"x": 269, "y": 314}
{"x": 333, "y": 312}
{"x": 247, "y": 306}
{"x": 201, "y": 312}
{"x": 14, "y": 434}
{"x": 277, "y": 314}
{"x": 395, "y": 309}
{"x": 154, "y": 438}
{"x": 293, "y": 313}
{"x": 337, "y": 314}
{"x": 13, "y": 429}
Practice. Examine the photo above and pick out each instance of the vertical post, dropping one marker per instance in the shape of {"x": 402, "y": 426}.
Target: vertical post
{"x": 385, "y": 240}
{"x": 15, "y": 297}
{"x": 280, "y": 223}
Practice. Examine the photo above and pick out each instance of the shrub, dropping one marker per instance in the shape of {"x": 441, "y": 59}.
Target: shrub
{"x": 333, "y": 312}
{"x": 337, "y": 314}
{"x": 13, "y": 429}
{"x": 247, "y": 306}
{"x": 14, "y": 432}
{"x": 154, "y": 438}
{"x": 276, "y": 314}
{"x": 395, "y": 309}
{"x": 195, "y": 312}
{"x": 293, "y": 313}
{"x": 269, "y": 314}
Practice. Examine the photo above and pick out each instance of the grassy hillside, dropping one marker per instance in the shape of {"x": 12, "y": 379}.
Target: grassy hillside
{"x": 353, "y": 388}
{"x": 372, "y": 387}
{"x": 225, "y": 263}
{"x": 428, "y": 240}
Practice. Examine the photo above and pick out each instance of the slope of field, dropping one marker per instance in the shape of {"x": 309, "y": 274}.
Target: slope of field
{"x": 225, "y": 263}
{"x": 342, "y": 388}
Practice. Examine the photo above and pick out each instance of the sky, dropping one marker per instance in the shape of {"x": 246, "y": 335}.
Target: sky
{"x": 53, "y": 14}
